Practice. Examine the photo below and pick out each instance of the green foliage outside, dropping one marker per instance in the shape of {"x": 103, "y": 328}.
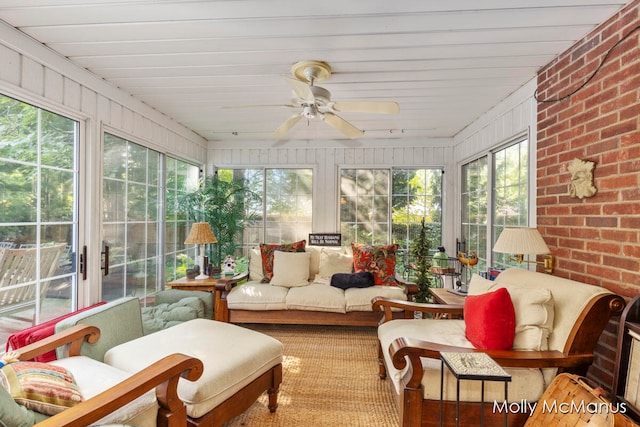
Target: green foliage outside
{"x": 220, "y": 201}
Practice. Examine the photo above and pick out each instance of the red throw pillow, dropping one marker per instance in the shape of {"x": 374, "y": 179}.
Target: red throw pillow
{"x": 378, "y": 260}
{"x": 266, "y": 251}
{"x": 490, "y": 320}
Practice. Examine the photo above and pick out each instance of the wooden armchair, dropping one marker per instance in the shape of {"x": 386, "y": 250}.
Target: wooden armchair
{"x": 162, "y": 375}
{"x": 410, "y": 352}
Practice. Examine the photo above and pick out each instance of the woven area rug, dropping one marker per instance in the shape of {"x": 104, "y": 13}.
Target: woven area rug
{"x": 330, "y": 378}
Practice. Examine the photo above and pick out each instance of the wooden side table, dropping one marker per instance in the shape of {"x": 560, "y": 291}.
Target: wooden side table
{"x": 472, "y": 366}
{"x": 208, "y": 285}
{"x": 443, "y": 296}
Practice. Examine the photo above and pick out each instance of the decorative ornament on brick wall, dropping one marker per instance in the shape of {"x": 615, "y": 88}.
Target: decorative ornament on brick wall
{"x": 582, "y": 179}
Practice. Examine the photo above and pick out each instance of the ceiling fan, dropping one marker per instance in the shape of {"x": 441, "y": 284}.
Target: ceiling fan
{"x": 315, "y": 101}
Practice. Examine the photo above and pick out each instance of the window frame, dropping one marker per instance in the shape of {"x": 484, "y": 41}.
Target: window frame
{"x": 531, "y": 196}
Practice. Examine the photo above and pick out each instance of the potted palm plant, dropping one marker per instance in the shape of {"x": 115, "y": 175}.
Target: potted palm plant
{"x": 222, "y": 203}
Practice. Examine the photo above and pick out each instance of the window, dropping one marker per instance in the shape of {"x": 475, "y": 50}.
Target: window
{"x": 507, "y": 170}
{"x": 364, "y": 206}
{"x": 181, "y": 178}
{"x": 38, "y": 202}
{"x": 284, "y": 210}
{"x": 133, "y": 209}
{"x": 374, "y": 201}
{"x": 510, "y": 192}
{"x": 475, "y": 176}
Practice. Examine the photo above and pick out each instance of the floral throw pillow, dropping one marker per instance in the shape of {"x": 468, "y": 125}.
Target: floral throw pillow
{"x": 378, "y": 260}
{"x": 266, "y": 251}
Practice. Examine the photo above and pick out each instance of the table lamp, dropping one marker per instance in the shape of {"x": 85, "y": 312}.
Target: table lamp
{"x": 521, "y": 241}
{"x": 201, "y": 234}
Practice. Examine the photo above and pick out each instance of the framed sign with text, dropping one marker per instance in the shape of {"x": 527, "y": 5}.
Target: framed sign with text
{"x": 325, "y": 239}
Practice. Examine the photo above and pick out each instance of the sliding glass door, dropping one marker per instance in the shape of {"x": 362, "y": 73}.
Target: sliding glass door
{"x": 38, "y": 213}
{"x": 132, "y": 206}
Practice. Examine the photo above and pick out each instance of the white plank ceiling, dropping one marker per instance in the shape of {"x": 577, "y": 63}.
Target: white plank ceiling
{"x": 217, "y": 67}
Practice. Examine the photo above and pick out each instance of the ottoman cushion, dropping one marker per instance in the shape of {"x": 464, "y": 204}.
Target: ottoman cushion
{"x": 232, "y": 356}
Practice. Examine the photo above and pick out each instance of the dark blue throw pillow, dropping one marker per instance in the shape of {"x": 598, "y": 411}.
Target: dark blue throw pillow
{"x": 362, "y": 279}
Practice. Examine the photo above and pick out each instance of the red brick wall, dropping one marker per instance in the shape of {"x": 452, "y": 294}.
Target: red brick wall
{"x": 595, "y": 240}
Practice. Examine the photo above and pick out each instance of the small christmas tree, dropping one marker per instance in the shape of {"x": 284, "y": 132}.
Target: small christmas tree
{"x": 419, "y": 250}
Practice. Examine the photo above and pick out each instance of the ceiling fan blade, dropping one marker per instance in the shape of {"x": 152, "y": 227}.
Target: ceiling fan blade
{"x": 342, "y": 125}
{"x": 288, "y": 124}
{"x": 301, "y": 89}
{"x": 238, "y": 107}
{"x": 379, "y": 107}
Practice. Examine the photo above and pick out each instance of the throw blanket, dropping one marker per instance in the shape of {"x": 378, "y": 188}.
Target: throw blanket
{"x": 363, "y": 279}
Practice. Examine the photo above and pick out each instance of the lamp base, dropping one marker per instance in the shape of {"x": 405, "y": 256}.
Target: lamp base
{"x": 201, "y": 276}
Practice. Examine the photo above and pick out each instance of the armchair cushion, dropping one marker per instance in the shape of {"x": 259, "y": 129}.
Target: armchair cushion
{"x": 42, "y": 387}
{"x": 534, "y": 310}
{"x": 94, "y": 377}
{"x": 490, "y": 320}
{"x": 165, "y": 315}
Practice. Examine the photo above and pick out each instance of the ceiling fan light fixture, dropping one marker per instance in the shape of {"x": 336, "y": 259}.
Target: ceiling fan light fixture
{"x": 310, "y": 111}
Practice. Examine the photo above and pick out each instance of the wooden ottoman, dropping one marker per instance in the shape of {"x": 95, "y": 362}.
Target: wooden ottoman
{"x": 239, "y": 365}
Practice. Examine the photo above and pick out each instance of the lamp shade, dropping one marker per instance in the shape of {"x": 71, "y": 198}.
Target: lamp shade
{"x": 200, "y": 234}
{"x": 521, "y": 240}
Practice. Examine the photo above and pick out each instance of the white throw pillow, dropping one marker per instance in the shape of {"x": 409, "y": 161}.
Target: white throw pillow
{"x": 255, "y": 264}
{"x": 290, "y": 269}
{"x": 479, "y": 285}
{"x": 333, "y": 262}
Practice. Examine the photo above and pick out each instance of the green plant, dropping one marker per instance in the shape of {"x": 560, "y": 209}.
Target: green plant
{"x": 420, "y": 251}
{"x": 221, "y": 203}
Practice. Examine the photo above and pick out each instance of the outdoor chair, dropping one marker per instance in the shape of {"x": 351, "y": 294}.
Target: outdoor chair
{"x": 19, "y": 289}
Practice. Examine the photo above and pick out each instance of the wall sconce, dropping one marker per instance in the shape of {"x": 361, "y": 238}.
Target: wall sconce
{"x": 521, "y": 241}
{"x": 201, "y": 234}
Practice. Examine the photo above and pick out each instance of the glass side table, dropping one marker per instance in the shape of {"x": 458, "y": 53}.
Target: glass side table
{"x": 472, "y": 366}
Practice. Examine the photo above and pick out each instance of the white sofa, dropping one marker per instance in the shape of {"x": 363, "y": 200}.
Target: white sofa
{"x": 299, "y": 296}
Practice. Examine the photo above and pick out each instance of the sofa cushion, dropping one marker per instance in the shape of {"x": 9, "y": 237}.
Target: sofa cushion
{"x": 316, "y": 257}
{"x": 232, "y": 356}
{"x": 94, "y": 377}
{"x": 290, "y": 269}
{"x": 490, "y": 320}
{"x": 364, "y": 279}
{"x": 42, "y": 387}
{"x": 332, "y": 262}
{"x": 359, "y": 299}
{"x": 257, "y": 296}
{"x": 255, "y": 265}
{"x": 379, "y": 260}
{"x": 266, "y": 251}
{"x": 316, "y": 297}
